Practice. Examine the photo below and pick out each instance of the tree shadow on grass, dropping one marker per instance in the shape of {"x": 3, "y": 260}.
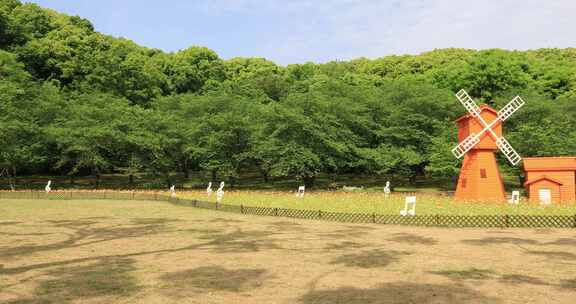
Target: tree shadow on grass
{"x": 568, "y": 284}
{"x": 470, "y": 274}
{"x": 212, "y": 278}
{"x": 107, "y": 277}
{"x": 344, "y": 233}
{"x": 499, "y": 231}
{"x": 399, "y": 292}
{"x": 153, "y": 221}
{"x": 370, "y": 259}
{"x": 286, "y": 226}
{"x": 360, "y": 227}
{"x": 225, "y": 220}
{"x": 72, "y": 224}
{"x": 345, "y": 245}
{"x": 500, "y": 240}
{"x": 521, "y": 279}
{"x": 413, "y": 239}
{"x": 543, "y": 231}
{"x": 25, "y": 234}
{"x": 237, "y": 242}
{"x": 83, "y": 234}
{"x": 351, "y": 231}
{"x": 240, "y": 241}
{"x": 563, "y": 242}
{"x": 557, "y": 255}
{"x": 200, "y": 230}
{"x": 7, "y": 223}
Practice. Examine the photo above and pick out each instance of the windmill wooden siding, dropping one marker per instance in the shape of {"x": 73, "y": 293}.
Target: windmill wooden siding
{"x": 551, "y": 173}
{"x": 468, "y": 124}
{"x": 480, "y": 178}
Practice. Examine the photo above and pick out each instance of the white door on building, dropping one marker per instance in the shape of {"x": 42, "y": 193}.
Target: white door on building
{"x": 545, "y": 196}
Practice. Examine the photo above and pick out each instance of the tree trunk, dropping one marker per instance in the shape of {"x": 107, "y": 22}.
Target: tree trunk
{"x": 131, "y": 181}
{"x": 308, "y": 181}
{"x": 213, "y": 175}
{"x": 12, "y": 179}
{"x": 168, "y": 180}
{"x": 97, "y": 180}
{"x": 265, "y": 175}
{"x": 185, "y": 169}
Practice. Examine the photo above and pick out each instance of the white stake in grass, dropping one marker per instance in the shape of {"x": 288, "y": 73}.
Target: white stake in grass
{"x": 301, "y": 191}
{"x": 209, "y": 189}
{"x": 409, "y": 206}
{"x": 387, "y": 190}
{"x": 220, "y": 193}
{"x": 515, "y": 199}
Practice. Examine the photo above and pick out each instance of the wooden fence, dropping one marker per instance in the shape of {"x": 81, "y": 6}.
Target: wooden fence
{"x": 485, "y": 221}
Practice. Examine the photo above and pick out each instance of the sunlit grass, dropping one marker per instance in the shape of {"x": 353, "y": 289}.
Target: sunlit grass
{"x": 374, "y": 202}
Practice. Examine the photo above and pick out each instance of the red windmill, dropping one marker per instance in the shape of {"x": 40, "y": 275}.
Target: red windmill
{"x": 479, "y": 136}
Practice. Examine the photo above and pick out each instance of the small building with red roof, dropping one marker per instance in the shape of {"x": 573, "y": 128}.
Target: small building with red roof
{"x": 550, "y": 179}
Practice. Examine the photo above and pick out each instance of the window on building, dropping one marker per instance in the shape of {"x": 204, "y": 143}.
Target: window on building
{"x": 483, "y": 173}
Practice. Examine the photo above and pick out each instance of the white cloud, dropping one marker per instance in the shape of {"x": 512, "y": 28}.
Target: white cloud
{"x": 376, "y": 28}
{"x": 295, "y": 31}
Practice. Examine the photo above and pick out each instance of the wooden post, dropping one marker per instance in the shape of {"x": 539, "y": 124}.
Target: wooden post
{"x": 275, "y": 211}
{"x": 319, "y": 214}
{"x": 373, "y": 218}
{"x": 574, "y": 225}
{"x": 437, "y": 220}
{"x": 242, "y": 208}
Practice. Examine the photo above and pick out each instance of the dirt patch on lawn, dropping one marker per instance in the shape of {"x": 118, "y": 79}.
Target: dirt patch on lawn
{"x": 124, "y": 252}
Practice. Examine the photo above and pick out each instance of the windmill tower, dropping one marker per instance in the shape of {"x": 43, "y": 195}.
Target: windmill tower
{"x": 479, "y": 136}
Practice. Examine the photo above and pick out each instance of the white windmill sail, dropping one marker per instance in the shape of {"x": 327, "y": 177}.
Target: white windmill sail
{"x": 465, "y": 146}
{"x": 510, "y": 108}
{"x": 474, "y": 138}
{"x": 468, "y": 102}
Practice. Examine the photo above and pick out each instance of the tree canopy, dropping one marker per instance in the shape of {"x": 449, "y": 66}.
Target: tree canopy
{"x": 75, "y": 101}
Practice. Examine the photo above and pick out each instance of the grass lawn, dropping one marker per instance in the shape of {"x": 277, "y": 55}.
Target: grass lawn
{"x": 154, "y": 252}
{"x": 375, "y": 202}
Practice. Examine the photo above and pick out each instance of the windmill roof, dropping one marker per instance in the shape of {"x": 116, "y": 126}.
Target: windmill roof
{"x": 544, "y": 177}
{"x": 562, "y": 163}
{"x": 483, "y": 108}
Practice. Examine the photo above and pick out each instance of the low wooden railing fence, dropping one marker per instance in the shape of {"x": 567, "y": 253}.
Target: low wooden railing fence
{"x": 485, "y": 221}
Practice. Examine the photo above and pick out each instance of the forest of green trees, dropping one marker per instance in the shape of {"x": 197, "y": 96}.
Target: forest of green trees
{"x": 76, "y": 102}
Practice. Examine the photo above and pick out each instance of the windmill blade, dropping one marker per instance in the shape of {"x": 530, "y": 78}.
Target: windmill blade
{"x": 508, "y": 151}
{"x": 465, "y": 146}
{"x": 468, "y": 103}
{"x": 510, "y": 108}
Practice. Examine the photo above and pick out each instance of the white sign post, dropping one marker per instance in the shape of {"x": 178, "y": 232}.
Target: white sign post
{"x": 515, "y": 199}
{"x": 301, "y": 191}
{"x": 220, "y": 193}
{"x": 47, "y": 188}
{"x": 409, "y": 206}
{"x": 387, "y": 190}
{"x": 173, "y": 191}
{"x": 209, "y": 189}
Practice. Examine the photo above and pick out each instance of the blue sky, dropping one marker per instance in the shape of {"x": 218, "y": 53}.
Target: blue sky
{"x": 296, "y": 31}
